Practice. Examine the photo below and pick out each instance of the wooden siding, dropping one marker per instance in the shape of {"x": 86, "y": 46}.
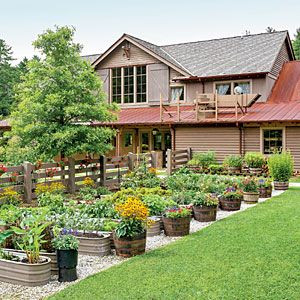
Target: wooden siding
{"x": 158, "y": 83}
{"x": 223, "y": 140}
{"x": 251, "y": 139}
{"x": 293, "y": 144}
{"x": 282, "y": 57}
{"x": 104, "y": 75}
{"x": 118, "y": 59}
{"x": 174, "y": 73}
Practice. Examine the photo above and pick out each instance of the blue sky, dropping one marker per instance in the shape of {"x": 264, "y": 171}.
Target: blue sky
{"x": 99, "y": 23}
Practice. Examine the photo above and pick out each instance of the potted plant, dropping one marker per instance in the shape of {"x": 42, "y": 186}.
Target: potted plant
{"x": 177, "y": 221}
{"x": 230, "y": 199}
{"x": 281, "y": 166}
{"x": 28, "y": 268}
{"x": 250, "y": 190}
{"x": 205, "y": 207}
{"x": 66, "y": 245}
{"x": 255, "y": 162}
{"x": 130, "y": 233}
{"x": 264, "y": 187}
{"x": 233, "y": 163}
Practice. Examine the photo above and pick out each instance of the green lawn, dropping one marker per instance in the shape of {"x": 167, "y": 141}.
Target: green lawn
{"x": 295, "y": 179}
{"x": 251, "y": 255}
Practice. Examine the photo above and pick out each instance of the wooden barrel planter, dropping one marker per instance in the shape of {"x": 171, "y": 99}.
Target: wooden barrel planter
{"x": 250, "y": 197}
{"x": 265, "y": 192}
{"x": 255, "y": 171}
{"x": 230, "y": 205}
{"x": 154, "y": 228}
{"x": 281, "y": 186}
{"x": 95, "y": 244}
{"x": 22, "y": 273}
{"x": 177, "y": 226}
{"x": 128, "y": 247}
{"x": 234, "y": 170}
{"x": 205, "y": 213}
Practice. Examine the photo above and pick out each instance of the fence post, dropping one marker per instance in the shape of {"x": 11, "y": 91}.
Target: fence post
{"x": 102, "y": 170}
{"x": 153, "y": 159}
{"x": 131, "y": 161}
{"x": 189, "y": 153}
{"x": 28, "y": 168}
{"x": 71, "y": 178}
{"x": 169, "y": 162}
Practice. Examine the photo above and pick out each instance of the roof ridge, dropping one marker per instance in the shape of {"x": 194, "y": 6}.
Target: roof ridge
{"x": 90, "y": 54}
{"x": 225, "y": 38}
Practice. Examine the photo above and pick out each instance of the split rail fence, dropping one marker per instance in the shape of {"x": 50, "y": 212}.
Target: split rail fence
{"x": 177, "y": 159}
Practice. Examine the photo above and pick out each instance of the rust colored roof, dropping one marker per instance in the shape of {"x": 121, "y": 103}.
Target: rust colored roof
{"x": 284, "y": 102}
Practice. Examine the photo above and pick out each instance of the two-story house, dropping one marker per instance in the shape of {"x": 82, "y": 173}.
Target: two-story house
{"x": 208, "y": 95}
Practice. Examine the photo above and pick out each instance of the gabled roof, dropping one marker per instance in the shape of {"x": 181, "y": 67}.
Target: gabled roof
{"x": 90, "y": 58}
{"x": 227, "y": 56}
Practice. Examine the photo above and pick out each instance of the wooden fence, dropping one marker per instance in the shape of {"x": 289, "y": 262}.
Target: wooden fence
{"x": 106, "y": 171}
{"x": 177, "y": 159}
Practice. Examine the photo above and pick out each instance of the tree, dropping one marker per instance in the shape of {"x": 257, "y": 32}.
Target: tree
{"x": 59, "y": 97}
{"x": 270, "y": 29}
{"x": 8, "y": 78}
{"x": 296, "y": 44}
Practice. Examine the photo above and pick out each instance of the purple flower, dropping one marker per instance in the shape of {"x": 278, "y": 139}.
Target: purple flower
{"x": 64, "y": 231}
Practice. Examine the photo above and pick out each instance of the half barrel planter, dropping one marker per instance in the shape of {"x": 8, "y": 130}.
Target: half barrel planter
{"x": 234, "y": 170}
{"x": 265, "y": 192}
{"x": 230, "y": 204}
{"x": 154, "y": 227}
{"x": 94, "y": 246}
{"x": 205, "y": 213}
{"x": 281, "y": 186}
{"x": 250, "y": 197}
{"x": 177, "y": 226}
{"x": 23, "y": 273}
{"x": 130, "y": 246}
{"x": 255, "y": 171}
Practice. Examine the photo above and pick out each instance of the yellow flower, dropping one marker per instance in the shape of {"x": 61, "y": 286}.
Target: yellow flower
{"x": 133, "y": 208}
{"x": 88, "y": 182}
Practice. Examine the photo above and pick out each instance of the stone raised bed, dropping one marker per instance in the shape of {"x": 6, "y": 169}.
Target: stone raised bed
{"x": 23, "y": 273}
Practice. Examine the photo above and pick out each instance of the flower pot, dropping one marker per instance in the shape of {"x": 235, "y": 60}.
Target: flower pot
{"x": 94, "y": 244}
{"x": 195, "y": 169}
{"x": 281, "y": 186}
{"x": 205, "y": 213}
{"x": 250, "y": 197}
{"x": 128, "y": 247}
{"x": 177, "y": 226}
{"x": 265, "y": 192}
{"x": 67, "y": 262}
{"x": 234, "y": 170}
{"x": 255, "y": 171}
{"x": 23, "y": 273}
{"x": 230, "y": 205}
{"x": 154, "y": 227}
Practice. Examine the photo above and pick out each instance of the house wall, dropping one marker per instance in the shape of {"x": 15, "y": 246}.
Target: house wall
{"x": 283, "y": 56}
{"x": 251, "y": 139}
{"x": 293, "y": 144}
{"x": 223, "y": 140}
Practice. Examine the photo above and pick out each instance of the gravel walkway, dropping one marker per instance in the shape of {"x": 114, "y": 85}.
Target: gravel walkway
{"x": 89, "y": 265}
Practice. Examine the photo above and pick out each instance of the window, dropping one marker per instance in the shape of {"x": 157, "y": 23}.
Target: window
{"x": 177, "y": 93}
{"x": 145, "y": 141}
{"x": 128, "y": 138}
{"x": 129, "y": 85}
{"x": 272, "y": 140}
{"x": 141, "y": 84}
{"x": 116, "y": 85}
{"x": 157, "y": 141}
{"x": 227, "y": 88}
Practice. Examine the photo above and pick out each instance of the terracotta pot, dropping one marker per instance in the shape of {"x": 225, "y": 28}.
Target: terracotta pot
{"x": 128, "y": 247}
{"x": 205, "y": 213}
{"x": 234, "y": 170}
{"x": 250, "y": 197}
{"x": 255, "y": 171}
{"x": 97, "y": 245}
{"x": 265, "y": 192}
{"x": 230, "y": 205}
{"x": 281, "y": 186}
{"x": 23, "y": 273}
{"x": 177, "y": 226}
{"x": 154, "y": 228}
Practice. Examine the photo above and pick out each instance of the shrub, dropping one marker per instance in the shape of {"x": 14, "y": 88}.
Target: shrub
{"x": 203, "y": 159}
{"x": 156, "y": 204}
{"x": 250, "y": 185}
{"x": 66, "y": 241}
{"x": 204, "y": 199}
{"x": 215, "y": 169}
{"x": 52, "y": 188}
{"x": 233, "y": 161}
{"x": 52, "y": 201}
{"x": 9, "y": 196}
{"x": 281, "y": 166}
{"x": 254, "y": 159}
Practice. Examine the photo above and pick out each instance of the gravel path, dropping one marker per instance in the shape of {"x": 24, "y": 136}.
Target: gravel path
{"x": 89, "y": 265}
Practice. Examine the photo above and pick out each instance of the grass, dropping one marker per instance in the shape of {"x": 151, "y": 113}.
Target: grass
{"x": 295, "y": 179}
{"x": 251, "y": 255}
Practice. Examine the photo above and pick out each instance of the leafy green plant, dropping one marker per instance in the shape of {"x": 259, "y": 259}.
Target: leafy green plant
{"x": 250, "y": 185}
{"x": 50, "y": 200}
{"x": 233, "y": 161}
{"x": 10, "y": 196}
{"x": 215, "y": 169}
{"x": 109, "y": 225}
{"x": 232, "y": 193}
{"x": 65, "y": 241}
{"x": 204, "y": 199}
{"x": 254, "y": 159}
{"x": 281, "y": 166}
{"x": 203, "y": 159}
{"x": 156, "y": 204}
{"x": 264, "y": 182}
{"x": 177, "y": 212}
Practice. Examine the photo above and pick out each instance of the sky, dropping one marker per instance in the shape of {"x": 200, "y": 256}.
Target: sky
{"x": 100, "y": 23}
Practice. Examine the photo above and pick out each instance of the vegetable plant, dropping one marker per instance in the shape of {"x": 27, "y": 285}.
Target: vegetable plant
{"x": 205, "y": 199}
{"x": 233, "y": 161}
{"x": 254, "y": 159}
{"x": 281, "y": 166}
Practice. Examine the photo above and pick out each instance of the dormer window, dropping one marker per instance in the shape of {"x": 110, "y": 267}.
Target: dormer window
{"x": 129, "y": 85}
{"x": 227, "y": 87}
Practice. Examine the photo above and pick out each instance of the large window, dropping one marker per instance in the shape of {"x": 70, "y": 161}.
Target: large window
{"x": 272, "y": 140}
{"x": 227, "y": 88}
{"x": 177, "y": 93}
{"x": 129, "y": 85}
